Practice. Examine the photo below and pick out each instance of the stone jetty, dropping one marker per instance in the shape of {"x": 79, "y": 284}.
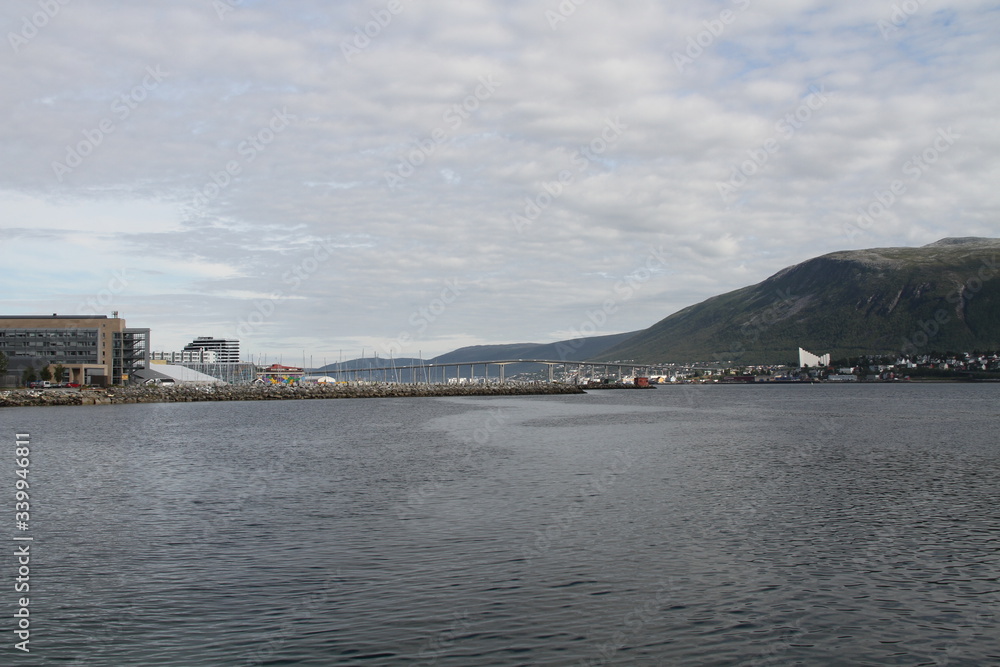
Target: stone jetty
{"x": 190, "y": 394}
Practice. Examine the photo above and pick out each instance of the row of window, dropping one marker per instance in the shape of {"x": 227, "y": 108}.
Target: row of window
{"x": 78, "y": 357}
{"x": 48, "y": 333}
{"x": 49, "y": 343}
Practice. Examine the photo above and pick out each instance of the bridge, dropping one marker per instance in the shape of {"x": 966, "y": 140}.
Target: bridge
{"x": 444, "y": 372}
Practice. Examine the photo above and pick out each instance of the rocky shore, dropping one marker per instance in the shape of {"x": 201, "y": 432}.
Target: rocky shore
{"x": 190, "y": 394}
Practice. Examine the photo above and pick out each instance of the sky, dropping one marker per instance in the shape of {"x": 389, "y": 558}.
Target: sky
{"x": 406, "y": 178}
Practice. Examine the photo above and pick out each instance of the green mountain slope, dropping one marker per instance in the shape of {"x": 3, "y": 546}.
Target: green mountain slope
{"x": 578, "y": 349}
{"x": 942, "y": 296}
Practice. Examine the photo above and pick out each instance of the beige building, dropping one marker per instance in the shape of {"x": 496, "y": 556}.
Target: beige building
{"x": 92, "y": 349}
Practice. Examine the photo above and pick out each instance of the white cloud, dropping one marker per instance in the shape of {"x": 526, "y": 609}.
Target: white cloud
{"x": 302, "y": 208}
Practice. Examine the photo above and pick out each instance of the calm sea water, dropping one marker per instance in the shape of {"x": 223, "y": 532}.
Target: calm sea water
{"x": 815, "y": 525}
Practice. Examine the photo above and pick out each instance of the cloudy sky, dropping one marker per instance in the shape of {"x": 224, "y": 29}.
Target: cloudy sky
{"x": 402, "y": 176}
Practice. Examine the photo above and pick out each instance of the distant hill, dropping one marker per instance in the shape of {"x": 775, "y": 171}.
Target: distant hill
{"x": 369, "y": 362}
{"x": 577, "y": 349}
{"x": 943, "y": 296}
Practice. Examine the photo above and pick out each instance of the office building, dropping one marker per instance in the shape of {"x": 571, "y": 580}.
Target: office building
{"x": 97, "y": 349}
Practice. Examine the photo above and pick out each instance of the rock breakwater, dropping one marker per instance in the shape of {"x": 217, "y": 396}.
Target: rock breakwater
{"x": 191, "y": 394}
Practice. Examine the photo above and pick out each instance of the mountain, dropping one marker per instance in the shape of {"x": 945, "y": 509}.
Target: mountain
{"x": 942, "y": 296}
{"x": 369, "y": 362}
{"x": 577, "y": 349}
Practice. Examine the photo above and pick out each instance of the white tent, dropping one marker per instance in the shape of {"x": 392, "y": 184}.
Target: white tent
{"x": 317, "y": 379}
{"x": 175, "y": 374}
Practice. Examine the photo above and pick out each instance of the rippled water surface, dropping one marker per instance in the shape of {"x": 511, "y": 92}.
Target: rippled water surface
{"x": 744, "y": 525}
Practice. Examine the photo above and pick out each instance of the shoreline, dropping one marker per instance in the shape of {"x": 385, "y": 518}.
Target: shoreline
{"x": 20, "y": 397}
{"x": 197, "y": 394}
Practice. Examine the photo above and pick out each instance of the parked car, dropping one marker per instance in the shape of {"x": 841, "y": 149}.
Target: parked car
{"x": 39, "y": 384}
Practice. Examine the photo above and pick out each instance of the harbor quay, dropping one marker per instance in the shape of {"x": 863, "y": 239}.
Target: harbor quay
{"x": 193, "y": 393}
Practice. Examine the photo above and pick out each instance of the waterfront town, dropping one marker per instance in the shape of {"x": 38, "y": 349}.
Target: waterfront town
{"x": 65, "y": 351}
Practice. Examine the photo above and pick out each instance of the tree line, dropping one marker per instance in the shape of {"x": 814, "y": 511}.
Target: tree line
{"x": 48, "y": 374}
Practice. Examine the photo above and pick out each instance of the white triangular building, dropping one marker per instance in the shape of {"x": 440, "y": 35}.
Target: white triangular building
{"x": 810, "y": 359}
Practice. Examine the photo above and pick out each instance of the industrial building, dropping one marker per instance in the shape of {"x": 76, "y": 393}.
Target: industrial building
{"x": 98, "y": 349}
